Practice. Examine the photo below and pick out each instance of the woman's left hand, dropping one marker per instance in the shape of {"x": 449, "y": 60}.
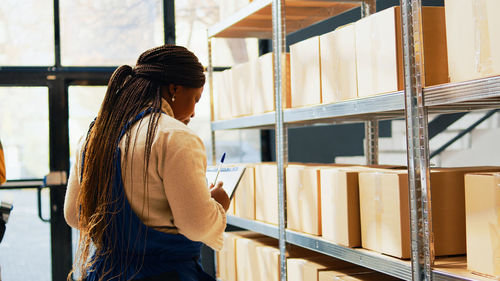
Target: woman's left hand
{"x": 220, "y": 195}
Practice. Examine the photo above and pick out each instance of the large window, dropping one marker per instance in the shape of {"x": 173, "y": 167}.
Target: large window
{"x": 112, "y": 32}
{"x": 192, "y": 18}
{"x": 24, "y": 131}
{"x": 83, "y": 104}
{"x": 26, "y": 32}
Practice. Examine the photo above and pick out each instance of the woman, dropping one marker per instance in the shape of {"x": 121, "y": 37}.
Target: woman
{"x": 137, "y": 191}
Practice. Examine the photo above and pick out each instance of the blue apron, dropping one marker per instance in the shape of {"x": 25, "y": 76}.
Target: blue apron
{"x": 138, "y": 251}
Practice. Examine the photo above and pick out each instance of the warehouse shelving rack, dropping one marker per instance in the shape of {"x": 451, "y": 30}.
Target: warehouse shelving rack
{"x": 267, "y": 19}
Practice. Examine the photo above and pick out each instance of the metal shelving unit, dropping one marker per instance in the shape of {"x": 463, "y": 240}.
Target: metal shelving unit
{"x": 370, "y": 259}
{"x": 464, "y": 96}
{"x": 267, "y": 19}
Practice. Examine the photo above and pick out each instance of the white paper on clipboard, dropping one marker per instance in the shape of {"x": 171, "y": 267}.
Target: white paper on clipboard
{"x": 229, "y": 175}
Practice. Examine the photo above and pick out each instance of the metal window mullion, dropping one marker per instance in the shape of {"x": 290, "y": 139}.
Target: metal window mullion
{"x": 279, "y": 49}
{"x": 57, "y": 35}
{"x": 422, "y": 241}
{"x": 169, "y": 21}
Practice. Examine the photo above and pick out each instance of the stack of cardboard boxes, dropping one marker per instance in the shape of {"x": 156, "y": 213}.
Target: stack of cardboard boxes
{"x": 366, "y": 58}
{"x": 248, "y": 88}
{"x": 368, "y": 206}
{"x": 248, "y": 256}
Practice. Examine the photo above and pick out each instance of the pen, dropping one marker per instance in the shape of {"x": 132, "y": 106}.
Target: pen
{"x": 218, "y": 169}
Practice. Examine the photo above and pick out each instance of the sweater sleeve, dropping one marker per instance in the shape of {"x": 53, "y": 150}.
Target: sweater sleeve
{"x": 182, "y": 166}
{"x": 72, "y": 190}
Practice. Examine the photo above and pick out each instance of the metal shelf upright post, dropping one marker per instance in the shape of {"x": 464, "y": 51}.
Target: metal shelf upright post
{"x": 279, "y": 50}
{"x": 422, "y": 244}
{"x": 369, "y": 7}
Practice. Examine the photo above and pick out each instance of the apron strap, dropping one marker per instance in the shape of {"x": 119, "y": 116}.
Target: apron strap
{"x": 122, "y": 133}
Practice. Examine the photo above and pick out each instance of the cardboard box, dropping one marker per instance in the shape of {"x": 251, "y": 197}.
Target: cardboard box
{"x": 243, "y": 88}
{"x": 473, "y": 38}
{"x": 222, "y": 93}
{"x": 268, "y": 259}
{"x": 307, "y": 269}
{"x": 338, "y": 65}
{"x": 340, "y": 206}
{"x": 268, "y": 262}
{"x": 340, "y": 222}
{"x": 482, "y": 210}
{"x": 384, "y": 211}
{"x": 264, "y": 100}
{"x": 247, "y": 258}
{"x": 226, "y": 258}
{"x": 357, "y": 273}
{"x": 303, "y": 199}
{"x": 258, "y": 259}
{"x": 379, "y": 54}
{"x": 226, "y": 269}
{"x": 266, "y": 193}
{"x": 305, "y": 71}
{"x": 245, "y": 195}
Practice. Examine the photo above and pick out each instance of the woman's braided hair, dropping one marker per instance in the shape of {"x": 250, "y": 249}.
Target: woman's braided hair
{"x": 130, "y": 91}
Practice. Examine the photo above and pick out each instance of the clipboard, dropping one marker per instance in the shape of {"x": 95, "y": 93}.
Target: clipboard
{"x": 229, "y": 175}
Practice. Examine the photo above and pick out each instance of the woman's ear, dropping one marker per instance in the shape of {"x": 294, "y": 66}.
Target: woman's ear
{"x": 172, "y": 89}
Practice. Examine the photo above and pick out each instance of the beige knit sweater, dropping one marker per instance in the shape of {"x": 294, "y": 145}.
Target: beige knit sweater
{"x": 177, "y": 199}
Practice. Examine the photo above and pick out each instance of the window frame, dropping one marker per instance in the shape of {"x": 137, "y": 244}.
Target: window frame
{"x": 58, "y": 79}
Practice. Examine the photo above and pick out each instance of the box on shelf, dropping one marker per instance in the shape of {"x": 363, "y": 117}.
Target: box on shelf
{"x": 243, "y": 88}
{"x": 482, "y": 211}
{"x": 268, "y": 261}
{"x": 379, "y": 54}
{"x": 303, "y": 199}
{"x": 263, "y": 100}
{"x": 305, "y": 72}
{"x": 473, "y": 38}
{"x": 244, "y": 206}
{"x": 340, "y": 206}
{"x": 266, "y": 193}
{"x": 307, "y": 269}
{"x": 340, "y": 222}
{"x": 338, "y": 65}
{"x": 226, "y": 258}
{"x": 384, "y": 210}
{"x": 258, "y": 259}
{"x": 223, "y": 92}
{"x": 247, "y": 258}
{"x": 353, "y": 274}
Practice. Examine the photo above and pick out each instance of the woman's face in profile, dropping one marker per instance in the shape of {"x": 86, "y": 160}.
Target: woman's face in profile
{"x": 185, "y": 100}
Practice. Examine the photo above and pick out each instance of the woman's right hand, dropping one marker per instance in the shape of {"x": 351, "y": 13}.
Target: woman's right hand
{"x": 220, "y": 195}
